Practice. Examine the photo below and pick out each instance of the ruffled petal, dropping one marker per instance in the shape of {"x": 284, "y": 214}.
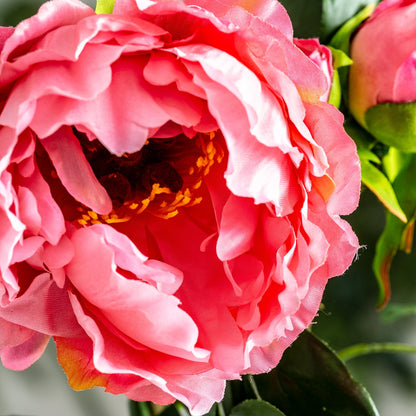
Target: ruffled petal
{"x": 75, "y": 172}
{"x": 134, "y": 307}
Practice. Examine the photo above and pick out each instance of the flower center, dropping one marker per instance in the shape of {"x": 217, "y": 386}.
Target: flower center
{"x": 162, "y": 177}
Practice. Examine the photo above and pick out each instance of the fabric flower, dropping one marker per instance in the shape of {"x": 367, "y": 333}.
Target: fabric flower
{"x": 171, "y": 188}
{"x": 384, "y": 61}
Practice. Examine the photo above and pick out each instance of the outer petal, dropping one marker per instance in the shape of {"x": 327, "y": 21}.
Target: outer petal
{"x": 134, "y": 307}
{"x": 404, "y": 85}
{"x": 43, "y": 308}
{"x": 269, "y": 11}
{"x": 49, "y": 17}
{"x": 24, "y": 355}
{"x": 344, "y": 166}
{"x": 5, "y": 33}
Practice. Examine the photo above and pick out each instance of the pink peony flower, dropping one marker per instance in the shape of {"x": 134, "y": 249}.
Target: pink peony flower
{"x": 384, "y": 61}
{"x": 171, "y": 188}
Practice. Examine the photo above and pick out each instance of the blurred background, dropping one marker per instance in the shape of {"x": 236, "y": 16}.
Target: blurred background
{"x": 348, "y": 316}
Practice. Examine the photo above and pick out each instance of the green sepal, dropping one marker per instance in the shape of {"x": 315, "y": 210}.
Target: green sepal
{"x": 394, "y": 161}
{"x": 321, "y": 18}
{"x": 339, "y": 60}
{"x": 335, "y": 93}
{"x": 255, "y": 407}
{"x": 312, "y": 380}
{"x": 104, "y": 6}
{"x": 336, "y": 12}
{"x": 341, "y": 39}
{"x": 393, "y": 124}
{"x": 368, "y": 155}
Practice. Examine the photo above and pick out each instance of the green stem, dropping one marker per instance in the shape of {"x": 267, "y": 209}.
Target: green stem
{"x": 139, "y": 409}
{"x": 362, "y": 349}
{"x": 254, "y": 387}
{"x": 181, "y": 409}
{"x": 221, "y": 410}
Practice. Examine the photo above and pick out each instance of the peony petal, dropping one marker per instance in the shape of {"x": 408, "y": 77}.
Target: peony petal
{"x": 237, "y": 228}
{"x": 269, "y": 11}
{"x": 59, "y": 255}
{"x": 245, "y": 178}
{"x": 12, "y": 334}
{"x": 404, "y": 88}
{"x": 43, "y": 308}
{"x": 165, "y": 69}
{"x": 26, "y": 249}
{"x": 204, "y": 278}
{"x": 5, "y": 33}
{"x": 344, "y": 165}
{"x": 11, "y": 230}
{"x": 260, "y": 105}
{"x": 74, "y": 355}
{"x": 134, "y": 307}
{"x": 164, "y": 277}
{"x": 49, "y": 17}
{"x": 24, "y": 355}
{"x": 74, "y": 171}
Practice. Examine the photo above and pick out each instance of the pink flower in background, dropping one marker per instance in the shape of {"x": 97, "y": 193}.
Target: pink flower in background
{"x": 171, "y": 186}
{"x": 321, "y": 56}
{"x": 384, "y": 61}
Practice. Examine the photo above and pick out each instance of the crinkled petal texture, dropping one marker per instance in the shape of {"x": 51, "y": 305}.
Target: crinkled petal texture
{"x": 171, "y": 185}
{"x": 384, "y": 61}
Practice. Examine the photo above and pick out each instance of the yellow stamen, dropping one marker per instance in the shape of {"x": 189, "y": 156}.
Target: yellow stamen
{"x": 161, "y": 201}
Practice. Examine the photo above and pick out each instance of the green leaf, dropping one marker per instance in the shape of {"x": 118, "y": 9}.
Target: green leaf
{"x": 104, "y": 6}
{"x": 371, "y": 176}
{"x": 311, "y": 380}
{"x": 334, "y": 8}
{"x": 393, "y": 124}
{"x": 378, "y": 183}
{"x": 305, "y": 16}
{"x": 255, "y": 408}
{"x": 386, "y": 248}
{"x": 396, "y": 235}
{"x": 336, "y": 12}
